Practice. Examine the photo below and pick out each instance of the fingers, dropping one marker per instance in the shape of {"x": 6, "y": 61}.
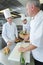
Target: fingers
{"x": 9, "y": 44}
{"x": 21, "y": 49}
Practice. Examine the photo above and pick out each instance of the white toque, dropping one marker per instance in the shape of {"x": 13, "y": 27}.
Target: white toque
{"x": 23, "y": 17}
{"x": 7, "y": 13}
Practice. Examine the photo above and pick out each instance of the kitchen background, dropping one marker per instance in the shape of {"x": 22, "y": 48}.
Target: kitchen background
{"x": 17, "y": 8}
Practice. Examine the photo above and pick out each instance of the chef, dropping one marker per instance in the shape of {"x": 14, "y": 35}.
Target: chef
{"x": 26, "y": 24}
{"x": 36, "y": 31}
{"x": 9, "y": 31}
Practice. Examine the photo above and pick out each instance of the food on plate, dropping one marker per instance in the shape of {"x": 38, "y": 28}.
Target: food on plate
{"x": 6, "y": 50}
{"x": 27, "y": 41}
{"x": 17, "y": 40}
{"x": 23, "y": 32}
{"x": 23, "y": 36}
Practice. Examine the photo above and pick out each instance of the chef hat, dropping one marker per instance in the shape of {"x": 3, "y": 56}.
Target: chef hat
{"x": 23, "y": 17}
{"x": 7, "y": 13}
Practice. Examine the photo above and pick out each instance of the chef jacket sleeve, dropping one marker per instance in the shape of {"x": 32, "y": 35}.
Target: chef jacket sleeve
{"x": 23, "y": 27}
{"x": 16, "y": 32}
{"x": 36, "y": 37}
{"x": 4, "y": 34}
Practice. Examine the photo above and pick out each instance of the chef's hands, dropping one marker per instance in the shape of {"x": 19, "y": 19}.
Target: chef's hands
{"x": 27, "y": 37}
{"x": 9, "y": 43}
{"x": 22, "y": 49}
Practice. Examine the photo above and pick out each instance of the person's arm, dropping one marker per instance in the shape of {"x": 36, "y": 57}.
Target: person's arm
{"x": 16, "y": 32}
{"x": 4, "y": 35}
{"x": 23, "y": 27}
{"x": 27, "y": 37}
{"x": 29, "y": 48}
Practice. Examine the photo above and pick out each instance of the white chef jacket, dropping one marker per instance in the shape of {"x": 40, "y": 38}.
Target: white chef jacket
{"x": 9, "y": 32}
{"x": 26, "y": 27}
{"x": 36, "y": 36}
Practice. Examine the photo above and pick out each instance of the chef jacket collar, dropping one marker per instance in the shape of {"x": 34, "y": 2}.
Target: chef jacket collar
{"x": 38, "y": 14}
{"x": 9, "y": 23}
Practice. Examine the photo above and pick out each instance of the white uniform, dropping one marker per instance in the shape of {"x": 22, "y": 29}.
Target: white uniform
{"x": 36, "y": 36}
{"x": 9, "y": 32}
{"x": 26, "y": 27}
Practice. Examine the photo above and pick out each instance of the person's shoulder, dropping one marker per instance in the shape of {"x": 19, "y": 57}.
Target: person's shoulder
{"x": 4, "y": 24}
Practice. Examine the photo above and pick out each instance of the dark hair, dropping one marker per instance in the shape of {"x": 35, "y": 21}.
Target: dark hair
{"x": 25, "y": 20}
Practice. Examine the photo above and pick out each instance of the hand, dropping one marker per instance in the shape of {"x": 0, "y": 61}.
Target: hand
{"x": 26, "y": 38}
{"x": 21, "y": 49}
{"x": 9, "y": 43}
{"x": 15, "y": 39}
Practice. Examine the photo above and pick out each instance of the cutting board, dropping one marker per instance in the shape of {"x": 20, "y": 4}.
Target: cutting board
{"x": 15, "y": 54}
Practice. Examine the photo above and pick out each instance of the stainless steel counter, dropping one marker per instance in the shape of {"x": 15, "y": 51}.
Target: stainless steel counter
{"x": 4, "y": 58}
